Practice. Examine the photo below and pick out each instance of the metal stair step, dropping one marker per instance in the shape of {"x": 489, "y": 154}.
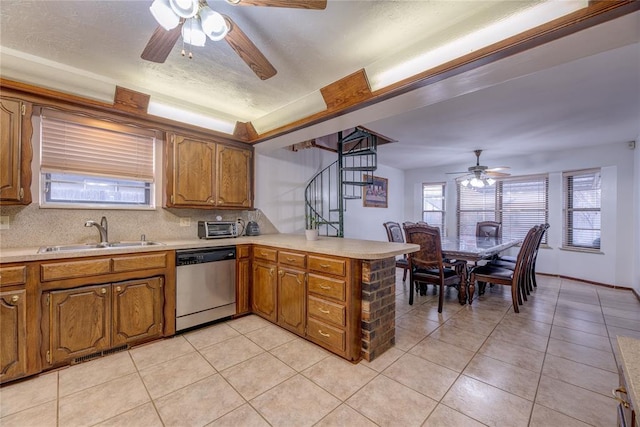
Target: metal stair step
{"x": 357, "y": 183}
{"x": 352, "y": 197}
{"x": 359, "y": 152}
{"x": 356, "y": 134}
{"x": 360, "y": 168}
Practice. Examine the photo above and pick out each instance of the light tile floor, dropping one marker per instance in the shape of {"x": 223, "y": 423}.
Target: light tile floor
{"x": 553, "y": 364}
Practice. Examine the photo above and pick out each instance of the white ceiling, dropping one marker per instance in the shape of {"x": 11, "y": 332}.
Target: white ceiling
{"x": 87, "y": 47}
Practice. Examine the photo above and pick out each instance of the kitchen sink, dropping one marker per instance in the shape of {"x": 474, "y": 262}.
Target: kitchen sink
{"x": 91, "y": 246}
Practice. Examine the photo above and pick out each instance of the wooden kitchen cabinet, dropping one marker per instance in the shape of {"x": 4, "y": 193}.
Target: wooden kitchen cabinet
{"x": 291, "y": 299}
{"x": 264, "y": 290}
{"x": 137, "y": 310}
{"x": 234, "y": 177}
{"x": 79, "y": 322}
{"x": 13, "y": 336}
{"x": 243, "y": 279}
{"x": 15, "y": 152}
{"x": 205, "y": 174}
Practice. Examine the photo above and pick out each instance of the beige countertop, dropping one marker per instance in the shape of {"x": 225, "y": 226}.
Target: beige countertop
{"x": 630, "y": 361}
{"x": 349, "y": 248}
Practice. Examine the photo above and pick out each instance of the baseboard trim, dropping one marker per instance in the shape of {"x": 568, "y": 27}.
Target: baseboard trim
{"x": 604, "y": 285}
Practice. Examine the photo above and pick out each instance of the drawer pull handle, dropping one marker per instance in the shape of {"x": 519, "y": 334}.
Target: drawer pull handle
{"x": 325, "y": 265}
{"x": 290, "y": 259}
{"x": 325, "y": 287}
{"x": 322, "y": 310}
{"x": 323, "y": 334}
{"x": 15, "y": 298}
{"x": 618, "y": 398}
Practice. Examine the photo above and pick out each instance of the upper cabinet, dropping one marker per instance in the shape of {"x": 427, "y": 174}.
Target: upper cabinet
{"x": 15, "y": 152}
{"x": 204, "y": 174}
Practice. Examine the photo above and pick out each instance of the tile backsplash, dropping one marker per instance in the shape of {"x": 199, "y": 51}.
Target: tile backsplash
{"x": 32, "y": 226}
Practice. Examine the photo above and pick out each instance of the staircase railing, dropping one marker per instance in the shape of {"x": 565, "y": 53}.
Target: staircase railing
{"x": 327, "y": 192}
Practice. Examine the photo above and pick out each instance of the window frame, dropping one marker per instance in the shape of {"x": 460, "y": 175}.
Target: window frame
{"x": 82, "y": 177}
{"x": 443, "y": 186}
{"x": 568, "y": 210}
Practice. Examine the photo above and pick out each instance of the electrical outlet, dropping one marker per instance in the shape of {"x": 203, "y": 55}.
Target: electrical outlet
{"x": 185, "y": 222}
{"x": 4, "y": 222}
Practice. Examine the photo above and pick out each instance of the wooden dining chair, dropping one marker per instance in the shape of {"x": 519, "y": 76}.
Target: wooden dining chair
{"x": 394, "y": 234}
{"x": 505, "y": 276}
{"x": 488, "y": 229}
{"x": 426, "y": 265}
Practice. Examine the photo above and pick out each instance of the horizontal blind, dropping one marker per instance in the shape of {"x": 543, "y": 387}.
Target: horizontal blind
{"x": 582, "y": 202}
{"x": 74, "y": 145}
{"x": 523, "y": 203}
{"x": 433, "y": 205}
{"x": 474, "y": 205}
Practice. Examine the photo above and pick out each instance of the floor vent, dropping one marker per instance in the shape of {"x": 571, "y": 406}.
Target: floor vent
{"x": 99, "y": 354}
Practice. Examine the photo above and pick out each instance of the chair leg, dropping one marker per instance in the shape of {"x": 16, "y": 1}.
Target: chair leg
{"x": 411, "y": 284}
{"x": 441, "y": 297}
{"x": 515, "y": 296}
{"x": 404, "y": 275}
{"x": 472, "y": 288}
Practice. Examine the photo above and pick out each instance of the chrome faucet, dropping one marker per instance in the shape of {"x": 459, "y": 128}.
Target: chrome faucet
{"x": 103, "y": 228}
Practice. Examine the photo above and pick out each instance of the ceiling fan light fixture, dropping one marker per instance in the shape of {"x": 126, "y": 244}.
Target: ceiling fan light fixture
{"x": 213, "y": 24}
{"x": 490, "y": 181}
{"x": 233, "y": 1}
{"x": 185, "y": 8}
{"x": 192, "y": 33}
{"x": 164, "y": 15}
{"x": 464, "y": 182}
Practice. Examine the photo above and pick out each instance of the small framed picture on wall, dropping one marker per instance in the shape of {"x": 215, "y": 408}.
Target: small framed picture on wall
{"x": 375, "y": 195}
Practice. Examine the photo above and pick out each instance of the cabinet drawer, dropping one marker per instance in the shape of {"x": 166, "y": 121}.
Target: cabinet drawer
{"x": 13, "y": 275}
{"x": 327, "y": 265}
{"x": 321, "y": 332}
{"x": 327, "y": 311}
{"x": 242, "y": 251}
{"x": 267, "y": 254}
{"x": 292, "y": 258}
{"x": 326, "y": 286}
{"x": 71, "y": 269}
{"x": 139, "y": 262}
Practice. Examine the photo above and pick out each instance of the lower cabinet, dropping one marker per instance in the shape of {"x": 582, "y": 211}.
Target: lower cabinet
{"x": 291, "y": 299}
{"x": 13, "y": 346}
{"x": 83, "y": 322}
{"x": 264, "y": 290}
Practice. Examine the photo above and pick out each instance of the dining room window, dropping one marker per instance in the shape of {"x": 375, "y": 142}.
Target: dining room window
{"x": 433, "y": 206}
{"x": 518, "y": 203}
{"x": 582, "y": 216}
{"x": 91, "y": 163}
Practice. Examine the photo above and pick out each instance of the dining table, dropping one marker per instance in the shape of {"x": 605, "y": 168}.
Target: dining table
{"x": 473, "y": 249}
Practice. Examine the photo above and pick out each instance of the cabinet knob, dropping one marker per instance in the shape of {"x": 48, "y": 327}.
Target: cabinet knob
{"x": 118, "y": 288}
{"x": 281, "y": 273}
{"x": 103, "y": 291}
{"x": 15, "y": 298}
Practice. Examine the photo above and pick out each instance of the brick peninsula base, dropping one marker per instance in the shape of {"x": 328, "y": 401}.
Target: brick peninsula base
{"x": 378, "y": 306}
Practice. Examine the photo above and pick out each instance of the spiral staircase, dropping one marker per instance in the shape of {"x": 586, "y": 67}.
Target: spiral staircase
{"x": 327, "y": 193}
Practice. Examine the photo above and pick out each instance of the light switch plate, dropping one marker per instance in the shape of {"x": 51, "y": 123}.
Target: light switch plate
{"x": 4, "y": 222}
{"x": 185, "y": 222}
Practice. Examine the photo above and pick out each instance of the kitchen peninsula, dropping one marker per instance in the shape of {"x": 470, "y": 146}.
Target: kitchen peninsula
{"x": 346, "y": 303}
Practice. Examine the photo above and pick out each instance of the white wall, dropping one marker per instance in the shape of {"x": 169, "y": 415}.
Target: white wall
{"x": 636, "y": 220}
{"x": 614, "y": 265}
{"x": 281, "y": 178}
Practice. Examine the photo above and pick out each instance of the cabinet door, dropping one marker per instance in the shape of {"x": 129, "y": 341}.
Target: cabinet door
{"x": 10, "y": 144}
{"x": 13, "y": 335}
{"x": 234, "y": 178}
{"x": 80, "y": 322}
{"x": 264, "y": 290}
{"x": 291, "y": 299}
{"x": 137, "y": 310}
{"x": 242, "y": 286}
{"x": 193, "y": 172}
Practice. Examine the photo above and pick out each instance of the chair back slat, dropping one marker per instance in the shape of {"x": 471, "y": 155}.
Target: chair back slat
{"x": 394, "y": 232}
{"x": 430, "y": 253}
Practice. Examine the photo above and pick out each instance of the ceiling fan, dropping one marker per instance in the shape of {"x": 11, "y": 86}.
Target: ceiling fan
{"x": 479, "y": 175}
{"x": 196, "y": 21}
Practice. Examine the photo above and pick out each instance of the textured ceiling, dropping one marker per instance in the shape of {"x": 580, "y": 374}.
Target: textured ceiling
{"x": 309, "y": 48}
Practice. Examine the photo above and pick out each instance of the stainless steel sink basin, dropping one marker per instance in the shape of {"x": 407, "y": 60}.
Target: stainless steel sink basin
{"x": 92, "y": 246}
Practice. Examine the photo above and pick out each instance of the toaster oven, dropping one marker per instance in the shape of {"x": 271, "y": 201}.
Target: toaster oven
{"x": 217, "y": 229}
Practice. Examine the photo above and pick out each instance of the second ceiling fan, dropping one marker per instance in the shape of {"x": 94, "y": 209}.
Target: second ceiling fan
{"x": 196, "y": 21}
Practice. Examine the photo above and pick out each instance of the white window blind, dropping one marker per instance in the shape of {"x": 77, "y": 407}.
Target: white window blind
{"x": 73, "y": 144}
{"x": 518, "y": 203}
{"x": 433, "y": 205}
{"x": 582, "y": 201}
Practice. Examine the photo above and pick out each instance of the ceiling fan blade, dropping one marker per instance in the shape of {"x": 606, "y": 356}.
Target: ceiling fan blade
{"x": 248, "y": 51}
{"x": 160, "y": 44}
{"x": 496, "y": 174}
{"x": 455, "y": 173}
{"x": 498, "y": 168}
{"x": 294, "y": 4}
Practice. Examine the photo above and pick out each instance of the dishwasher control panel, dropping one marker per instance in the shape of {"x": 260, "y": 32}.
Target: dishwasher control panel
{"x": 199, "y": 256}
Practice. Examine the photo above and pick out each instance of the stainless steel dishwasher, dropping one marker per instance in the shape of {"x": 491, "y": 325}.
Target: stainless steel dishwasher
{"x": 205, "y": 285}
